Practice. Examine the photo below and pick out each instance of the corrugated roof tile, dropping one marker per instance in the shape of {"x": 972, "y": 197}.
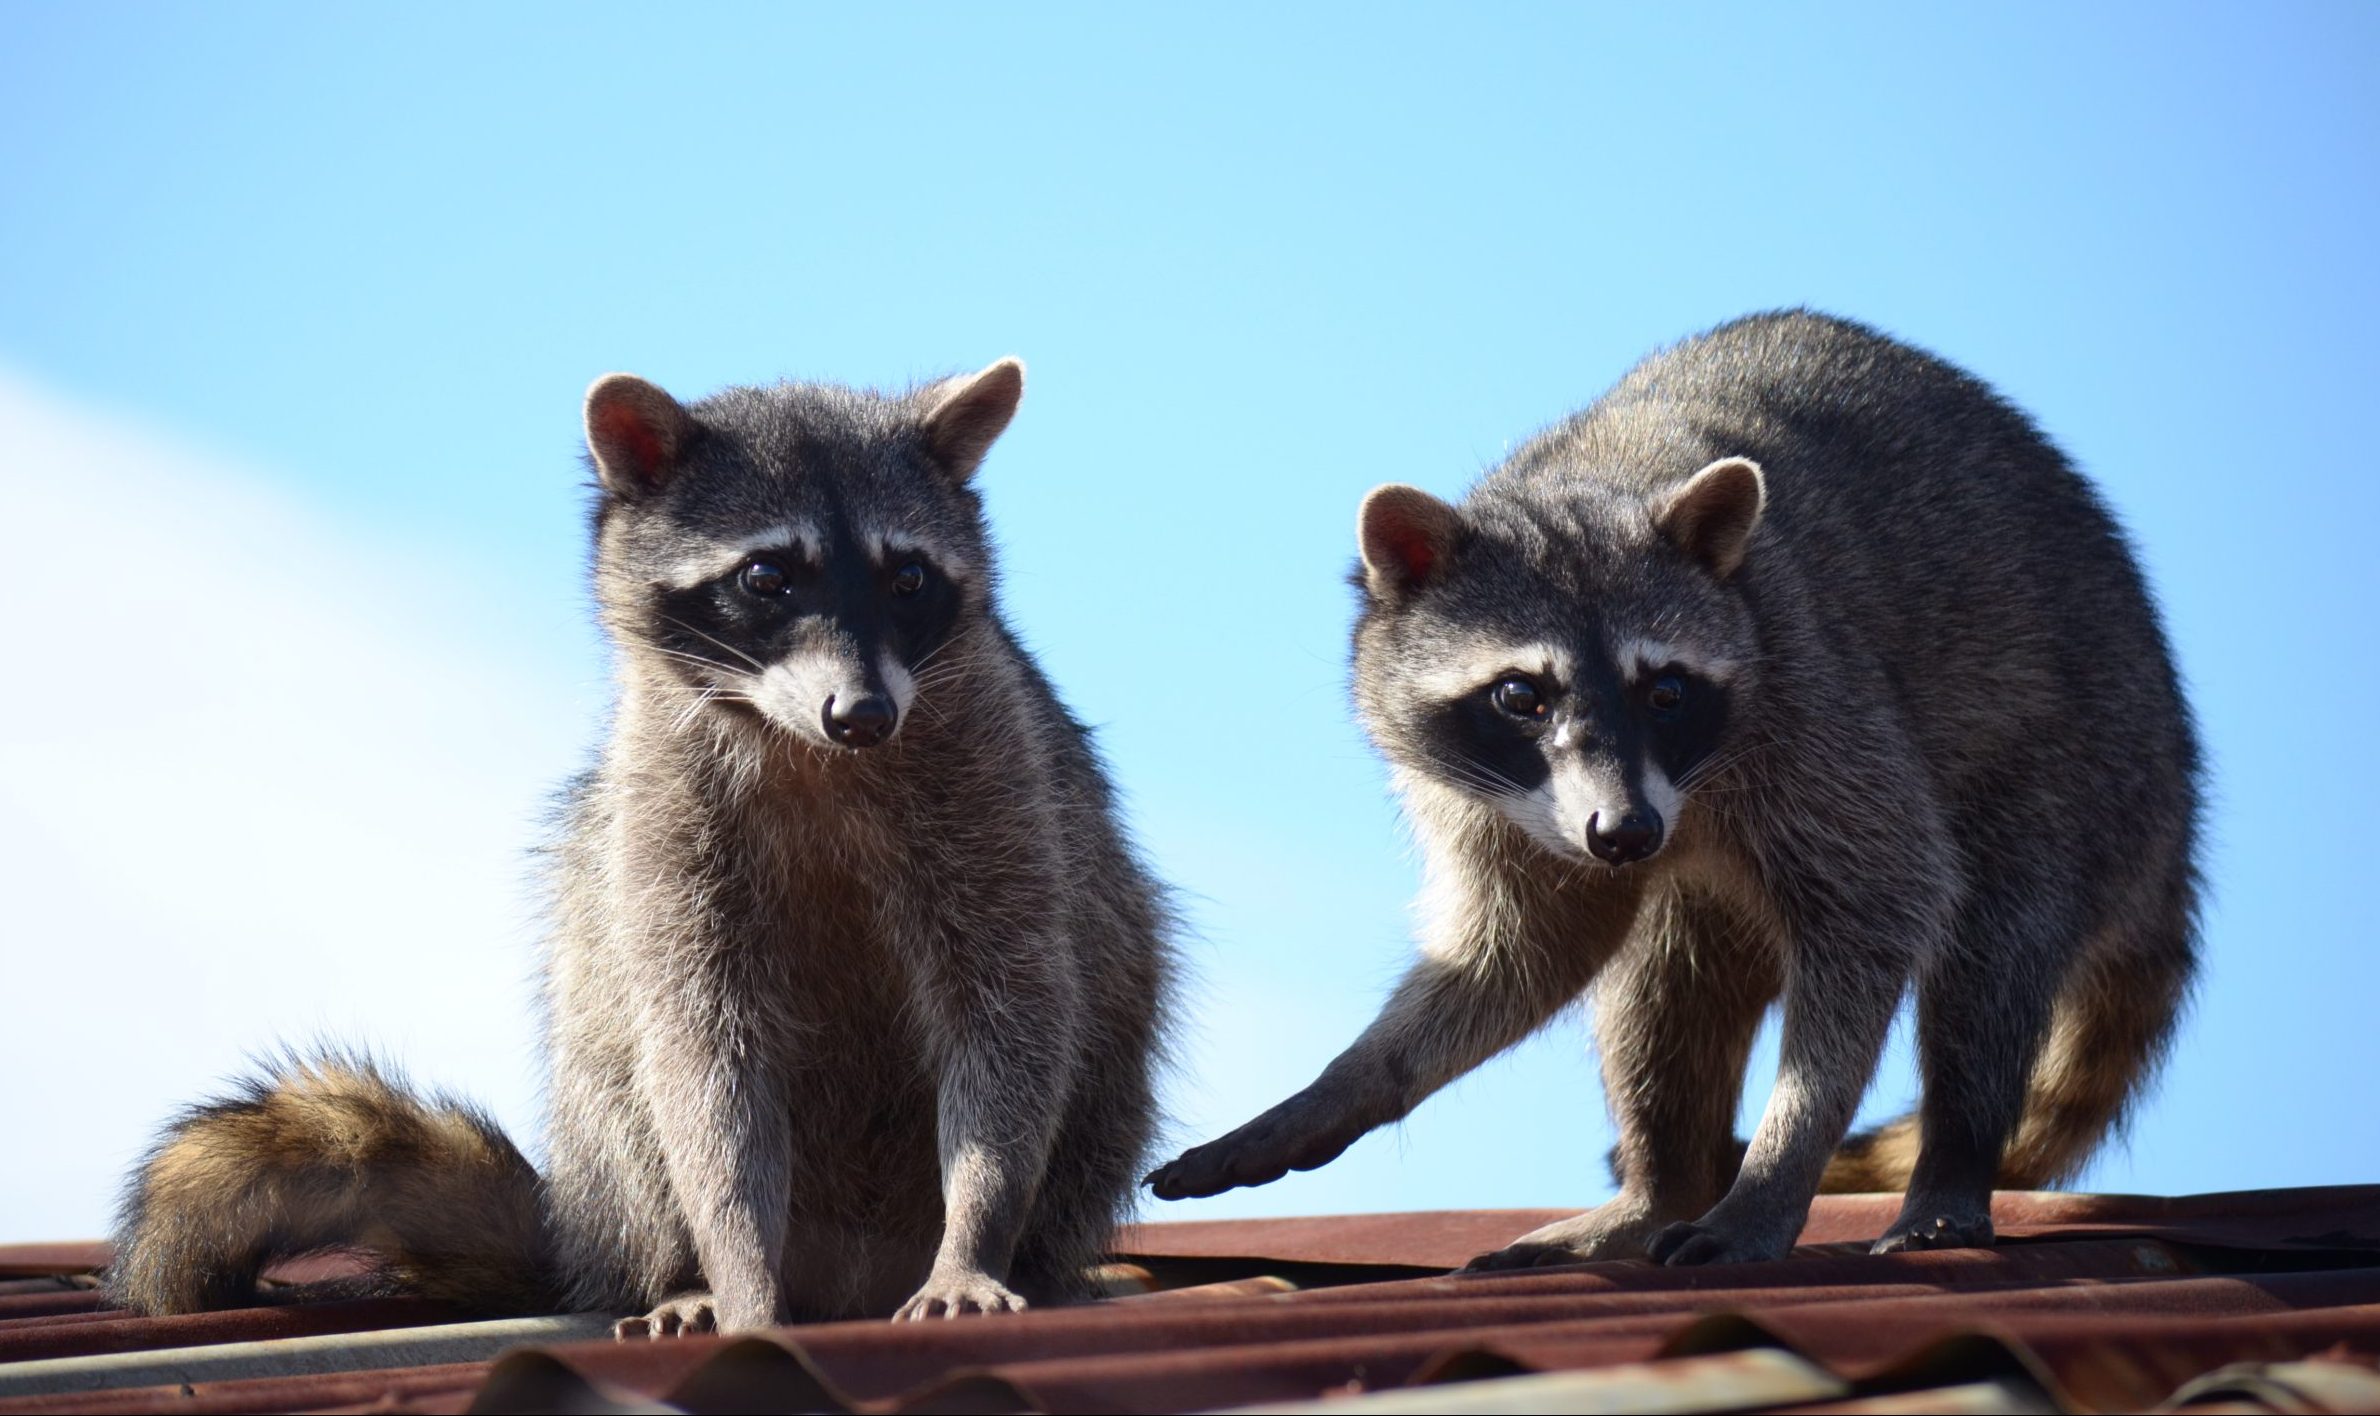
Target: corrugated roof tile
{"x": 2091, "y": 1303}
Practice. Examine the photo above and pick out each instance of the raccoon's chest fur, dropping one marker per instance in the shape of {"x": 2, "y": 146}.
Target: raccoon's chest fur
{"x": 824, "y": 868}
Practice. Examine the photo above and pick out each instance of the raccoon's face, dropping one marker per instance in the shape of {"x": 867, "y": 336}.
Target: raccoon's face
{"x": 1577, "y": 668}
{"x": 819, "y": 626}
{"x": 800, "y": 556}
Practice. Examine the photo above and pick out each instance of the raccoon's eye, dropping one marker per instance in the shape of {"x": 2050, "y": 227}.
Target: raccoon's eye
{"x": 1666, "y": 696}
{"x": 1519, "y": 697}
{"x": 763, "y": 578}
{"x": 909, "y": 579}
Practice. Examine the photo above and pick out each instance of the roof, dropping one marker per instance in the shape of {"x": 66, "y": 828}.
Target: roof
{"x": 2259, "y": 1301}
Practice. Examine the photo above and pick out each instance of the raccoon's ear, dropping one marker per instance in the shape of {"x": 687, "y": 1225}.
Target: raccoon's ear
{"x": 635, "y": 432}
{"x": 1406, "y": 535}
{"x": 1712, "y": 516}
{"x": 968, "y": 415}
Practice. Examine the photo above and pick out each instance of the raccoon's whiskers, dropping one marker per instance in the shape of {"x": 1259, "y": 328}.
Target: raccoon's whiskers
{"x": 757, "y": 666}
{"x": 1710, "y": 767}
{"x": 698, "y": 660}
{"x": 697, "y": 700}
{"x": 1505, "y": 786}
{"x": 1485, "y": 779}
{"x": 926, "y": 687}
{"x": 932, "y": 710}
{"x": 946, "y": 670}
{"x": 919, "y": 668}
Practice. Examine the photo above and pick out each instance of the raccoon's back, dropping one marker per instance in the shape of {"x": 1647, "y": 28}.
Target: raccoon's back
{"x": 1919, "y": 524}
{"x": 1883, "y": 463}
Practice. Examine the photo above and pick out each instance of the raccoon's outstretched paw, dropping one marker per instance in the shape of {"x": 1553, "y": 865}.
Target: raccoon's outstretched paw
{"x": 684, "y": 1315}
{"x": 1935, "y": 1232}
{"x": 948, "y": 1295}
{"x": 1302, "y": 1133}
{"x": 1703, "y": 1243}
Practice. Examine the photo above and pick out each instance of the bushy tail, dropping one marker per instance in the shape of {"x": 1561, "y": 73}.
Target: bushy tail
{"x": 1875, "y": 1160}
{"x": 2109, "y": 1030}
{"x": 328, "y": 1152}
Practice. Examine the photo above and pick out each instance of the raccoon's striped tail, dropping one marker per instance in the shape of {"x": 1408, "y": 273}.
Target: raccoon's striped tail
{"x": 2108, "y": 1031}
{"x": 329, "y": 1152}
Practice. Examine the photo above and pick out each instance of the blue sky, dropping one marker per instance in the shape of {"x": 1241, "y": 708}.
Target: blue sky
{"x": 297, "y": 303}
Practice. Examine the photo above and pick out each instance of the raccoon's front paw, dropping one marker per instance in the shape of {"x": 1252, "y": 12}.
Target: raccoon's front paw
{"x": 1936, "y": 1231}
{"x": 1301, "y": 1133}
{"x": 682, "y": 1315}
{"x": 1704, "y": 1241}
{"x": 946, "y": 1295}
{"x": 1618, "y": 1230}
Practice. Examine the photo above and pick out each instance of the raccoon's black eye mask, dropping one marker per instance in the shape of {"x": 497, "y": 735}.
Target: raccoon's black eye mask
{"x": 1670, "y": 695}
{"x": 773, "y": 575}
{"x": 1685, "y": 715}
{"x": 737, "y": 619}
{"x": 1494, "y": 735}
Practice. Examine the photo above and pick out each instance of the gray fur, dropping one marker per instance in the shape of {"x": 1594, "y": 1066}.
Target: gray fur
{"x": 829, "y": 1031}
{"x": 1953, "y": 756}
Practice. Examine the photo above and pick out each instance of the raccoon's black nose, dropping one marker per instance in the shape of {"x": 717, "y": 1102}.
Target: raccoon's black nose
{"x": 1631, "y": 838}
{"x": 861, "y": 722}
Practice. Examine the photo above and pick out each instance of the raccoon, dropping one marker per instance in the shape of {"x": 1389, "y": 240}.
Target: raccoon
{"x": 1799, "y": 666}
{"x": 853, "y": 994}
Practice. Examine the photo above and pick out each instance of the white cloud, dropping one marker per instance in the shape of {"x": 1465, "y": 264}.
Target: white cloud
{"x": 262, "y": 778}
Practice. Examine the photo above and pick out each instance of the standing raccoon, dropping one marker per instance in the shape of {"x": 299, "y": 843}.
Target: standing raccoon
{"x": 1798, "y": 665}
{"x": 853, "y": 991}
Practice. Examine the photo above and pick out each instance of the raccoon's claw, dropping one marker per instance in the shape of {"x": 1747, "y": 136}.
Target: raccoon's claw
{"x": 1938, "y": 1232}
{"x": 686, "y": 1315}
{"x": 948, "y": 1295}
{"x": 1696, "y": 1243}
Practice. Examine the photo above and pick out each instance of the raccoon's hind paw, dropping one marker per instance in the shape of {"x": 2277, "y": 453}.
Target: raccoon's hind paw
{"x": 1524, "y": 1255}
{"x": 1935, "y": 1232}
{"x": 1702, "y": 1242}
{"x": 685, "y": 1315}
{"x": 948, "y": 1295}
{"x": 1613, "y": 1231}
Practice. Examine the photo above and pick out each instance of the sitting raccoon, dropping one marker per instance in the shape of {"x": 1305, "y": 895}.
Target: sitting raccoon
{"x": 853, "y": 991}
{"x": 1798, "y": 666}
